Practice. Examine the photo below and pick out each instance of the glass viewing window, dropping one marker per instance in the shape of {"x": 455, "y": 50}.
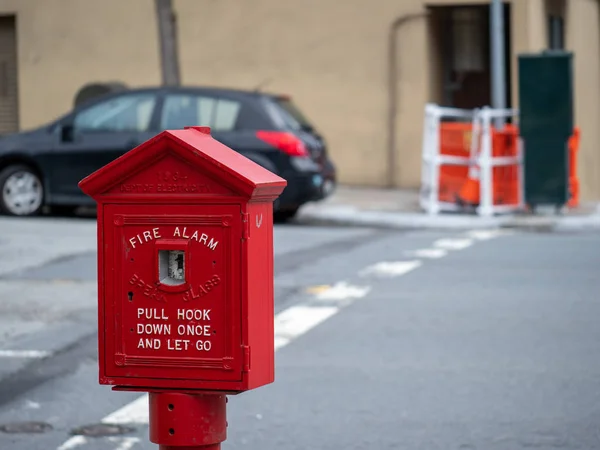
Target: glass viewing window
{"x": 171, "y": 267}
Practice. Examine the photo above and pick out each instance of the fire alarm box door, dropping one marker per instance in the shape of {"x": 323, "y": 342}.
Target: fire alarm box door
{"x": 176, "y": 299}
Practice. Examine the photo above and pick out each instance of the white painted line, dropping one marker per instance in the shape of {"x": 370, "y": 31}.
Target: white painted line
{"x": 126, "y": 443}
{"x": 428, "y": 253}
{"x": 453, "y": 244}
{"x": 23, "y": 354}
{"x": 281, "y": 341}
{"x": 484, "y": 235}
{"x": 299, "y": 319}
{"x": 343, "y": 291}
{"x": 134, "y": 412}
{"x": 388, "y": 269}
{"x": 74, "y": 442}
{"x": 32, "y": 405}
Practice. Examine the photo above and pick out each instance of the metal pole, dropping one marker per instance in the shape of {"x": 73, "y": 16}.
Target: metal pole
{"x": 167, "y": 38}
{"x": 497, "y": 59}
{"x": 185, "y": 421}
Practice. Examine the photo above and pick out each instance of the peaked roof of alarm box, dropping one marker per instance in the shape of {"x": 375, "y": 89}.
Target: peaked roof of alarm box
{"x": 204, "y": 165}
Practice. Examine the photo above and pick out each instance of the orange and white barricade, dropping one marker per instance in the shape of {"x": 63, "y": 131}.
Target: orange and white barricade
{"x": 573, "y": 178}
{"x": 447, "y": 154}
{"x": 484, "y": 172}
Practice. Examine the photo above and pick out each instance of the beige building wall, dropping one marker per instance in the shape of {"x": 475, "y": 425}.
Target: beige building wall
{"x": 332, "y": 56}
{"x": 583, "y": 37}
{"x": 582, "y": 33}
{"x": 63, "y": 44}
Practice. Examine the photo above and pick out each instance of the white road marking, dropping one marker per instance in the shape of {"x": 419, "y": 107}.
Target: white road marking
{"x": 23, "y": 354}
{"x": 484, "y": 235}
{"x": 134, "y": 412}
{"x": 453, "y": 244}
{"x": 428, "y": 253}
{"x": 32, "y": 405}
{"x": 299, "y": 319}
{"x": 388, "y": 269}
{"x": 126, "y": 443}
{"x": 342, "y": 291}
{"x": 71, "y": 443}
{"x": 281, "y": 341}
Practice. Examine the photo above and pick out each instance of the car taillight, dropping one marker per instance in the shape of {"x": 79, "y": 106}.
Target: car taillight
{"x": 284, "y": 141}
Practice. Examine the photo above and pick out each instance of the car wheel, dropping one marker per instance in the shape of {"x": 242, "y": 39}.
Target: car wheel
{"x": 21, "y": 191}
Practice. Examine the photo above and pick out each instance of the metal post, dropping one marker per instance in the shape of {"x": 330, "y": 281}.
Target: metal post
{"x": 497, "y": 59}
{"x": 556, "y": 42}
{"x": 181, "y": 421}
{"x": 167, "y": 34}
{"x": 486, "y": 181}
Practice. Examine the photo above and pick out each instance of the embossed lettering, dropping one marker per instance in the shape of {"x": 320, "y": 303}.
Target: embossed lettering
{"x": 177, "y": 344}
{"x": 137, "y": 187}
{"x": 193, "y": 314}
{"x": 153, "y": 328}
{"x": 145, "y": 236}
{"x": 154, "y": 344}
{"x": 182, "y": 188}
{"x": 212, "y": 244}
{"x": 147, "y": 289}
{"x": 202, "y": 289}
{"x": 193, "y": 330}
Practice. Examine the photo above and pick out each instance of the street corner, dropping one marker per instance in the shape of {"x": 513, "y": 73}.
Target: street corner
{"x": 569, "y": 221}
{"x": 353, "y": 216}
{"x": 348, "y": 215}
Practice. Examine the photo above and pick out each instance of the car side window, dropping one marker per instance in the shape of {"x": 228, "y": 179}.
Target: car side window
{"x": 181, "y": 110}
{"x": 124, "y": 113}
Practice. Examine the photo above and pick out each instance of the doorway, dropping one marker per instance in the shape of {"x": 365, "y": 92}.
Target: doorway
{"x": 9, "y": 102}
{"x": 462, "y": 43}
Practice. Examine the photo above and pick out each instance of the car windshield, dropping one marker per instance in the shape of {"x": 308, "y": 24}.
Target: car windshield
{"x": 292, "y": 115}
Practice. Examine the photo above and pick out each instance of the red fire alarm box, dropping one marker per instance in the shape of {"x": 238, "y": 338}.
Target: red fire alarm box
{"x": 185, "y": 266}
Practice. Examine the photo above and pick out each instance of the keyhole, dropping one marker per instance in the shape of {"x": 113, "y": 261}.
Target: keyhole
{"x": 130, "y": 295}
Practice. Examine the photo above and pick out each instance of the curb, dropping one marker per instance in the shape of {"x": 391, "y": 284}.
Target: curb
{"x": 354, "y": 217}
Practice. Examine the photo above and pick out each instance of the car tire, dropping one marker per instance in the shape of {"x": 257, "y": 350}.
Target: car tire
{"x": 21, "y": 191}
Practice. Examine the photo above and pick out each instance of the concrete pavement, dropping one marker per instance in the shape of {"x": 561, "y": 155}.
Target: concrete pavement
{"x": 493, "y": 346}
{"x": 399, "y": 209}
{"x": 393, "y": 339}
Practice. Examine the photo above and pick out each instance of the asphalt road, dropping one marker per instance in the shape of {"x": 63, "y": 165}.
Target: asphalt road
{"x": 385, "y": 339}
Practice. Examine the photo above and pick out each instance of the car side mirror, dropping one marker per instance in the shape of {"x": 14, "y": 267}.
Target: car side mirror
{"x": 67, "y": 132}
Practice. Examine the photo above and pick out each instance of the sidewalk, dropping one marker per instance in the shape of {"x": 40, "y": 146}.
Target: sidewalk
{"x": 396, "y": 208}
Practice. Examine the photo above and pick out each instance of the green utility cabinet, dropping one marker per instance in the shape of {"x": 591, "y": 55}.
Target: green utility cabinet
{"x": 546, "y": 123}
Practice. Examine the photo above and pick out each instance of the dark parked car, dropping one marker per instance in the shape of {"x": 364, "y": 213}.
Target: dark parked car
{"x": 43, "y": 166}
